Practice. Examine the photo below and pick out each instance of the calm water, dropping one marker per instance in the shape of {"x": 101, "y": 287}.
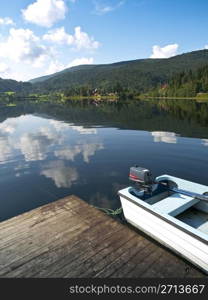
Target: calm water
{"x": 50, "y": 151}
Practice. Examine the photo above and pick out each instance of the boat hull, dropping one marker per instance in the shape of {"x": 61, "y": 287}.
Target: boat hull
{"x": 166, "y": 230}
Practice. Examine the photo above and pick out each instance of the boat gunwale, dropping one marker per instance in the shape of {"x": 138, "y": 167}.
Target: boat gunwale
{"x": 164, "y": 218}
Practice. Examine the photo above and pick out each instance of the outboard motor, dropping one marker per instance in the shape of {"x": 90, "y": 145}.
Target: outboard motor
{"x": 143, "y": 180}
{"x": 145, "y": 186}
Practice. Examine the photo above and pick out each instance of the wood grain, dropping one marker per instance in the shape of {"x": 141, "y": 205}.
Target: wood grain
{"x": 70, "y": 238}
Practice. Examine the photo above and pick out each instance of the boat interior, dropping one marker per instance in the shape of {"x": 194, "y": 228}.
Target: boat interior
{"x": 195, "y": 218}
{"x": 187, "y": 209}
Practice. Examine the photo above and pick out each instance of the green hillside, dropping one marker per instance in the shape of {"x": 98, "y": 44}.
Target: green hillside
{"x": 137, "y": 76}
{"x": 9, "y": 85}
{"x": 192, "y": 83}
{"x": 124, "y": 78}
{"x": 72, "y": 69}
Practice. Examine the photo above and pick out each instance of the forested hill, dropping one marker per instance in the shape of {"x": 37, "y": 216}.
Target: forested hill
{"x": 185, "y": 84}
{"x": 9, "y": 85}
{"x": 124, "y": 78}
{"x": 137, "y": 76}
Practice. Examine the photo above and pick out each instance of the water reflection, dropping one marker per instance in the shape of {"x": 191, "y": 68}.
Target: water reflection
{"x": 83, "y": 130}
{"x": 5, "y": 148}
{"x": 165, "y": 137}
{"x": 59, "y": 126}
{"x": 205, "y": 142}
{"x": 7, "y": 128}
{"x": 49, "y": 151}
{"x": 68, "y": 153}
{"x": 35, "y": 142}
{"x": 34, "y": 146}
{"x": 62, "y": 175}
{"x": 86, "y": 150}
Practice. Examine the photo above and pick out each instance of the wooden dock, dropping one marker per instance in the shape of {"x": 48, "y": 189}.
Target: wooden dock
{"x": 70, "y": 238}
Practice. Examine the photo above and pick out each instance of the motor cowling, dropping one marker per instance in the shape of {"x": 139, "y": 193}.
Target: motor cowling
{"x": 141, "y": 175}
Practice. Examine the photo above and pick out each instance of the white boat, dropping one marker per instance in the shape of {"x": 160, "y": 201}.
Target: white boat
{"x": 171, "y": 210}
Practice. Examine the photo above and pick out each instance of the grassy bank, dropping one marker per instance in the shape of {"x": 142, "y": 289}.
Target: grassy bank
{"x": 172, "y": 98}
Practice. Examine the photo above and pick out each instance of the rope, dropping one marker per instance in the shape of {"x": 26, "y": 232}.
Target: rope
{"x": 110, "y": 211}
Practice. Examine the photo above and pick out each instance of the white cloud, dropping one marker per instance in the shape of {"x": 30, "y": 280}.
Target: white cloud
{"x": 164, "y": 52}
{"x": 4, "y": 70}
{"x": 3, "y": 67}
{"x": 40, "y": 61}
{"x": 45, "y": 12}
{"x": 165, "y": 137}
{"x": 83, "y": 41}
{"x": 80, "y": 39}
{"x": 59, "y": 36}
{"x": 34, "y": 57}
{"x": 63, "y": 176}
{"x": 19, "y": 76}
{"x": 101, "y": 8}
{"x": 206, "y": 46}
{"x": 56, "y": 66}
{"x": 22, "y": 45}
{"x": 6, "y": 21}
{"x": 80, "y": 61}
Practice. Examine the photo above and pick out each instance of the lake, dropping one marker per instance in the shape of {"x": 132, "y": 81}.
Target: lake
{"x": 49, "y": 151}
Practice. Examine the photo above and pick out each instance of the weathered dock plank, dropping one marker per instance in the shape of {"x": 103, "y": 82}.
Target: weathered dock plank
{"x": 70, "y": 238}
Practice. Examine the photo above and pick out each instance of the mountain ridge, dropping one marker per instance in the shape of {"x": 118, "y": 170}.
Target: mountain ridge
{"x": 136, "y": 76}
{"x": 132, "y": 77}
{"x": 115, "y": 64}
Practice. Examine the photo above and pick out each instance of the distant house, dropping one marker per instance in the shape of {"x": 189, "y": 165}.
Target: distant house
{"x": 164, "y": 86}
{"x": 95, "y": 92}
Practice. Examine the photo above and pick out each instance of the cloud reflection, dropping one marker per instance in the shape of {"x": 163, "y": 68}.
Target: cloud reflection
{"x": 86, "y": 150}
{"x": 5, "y": 148}
{"x": 60, "y": 126}
{"x": 205, "y": 142}
{"x": 83, "y": 130}
{"x": 165, "y": 137}
{"x": 63, "y": 176}
{"x": 35, "y": 146}
{"x": 33, "y": 137}
{"x": 7, "y": 128}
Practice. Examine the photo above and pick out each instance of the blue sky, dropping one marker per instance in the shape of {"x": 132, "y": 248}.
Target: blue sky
{"x": 39, "y": 37}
